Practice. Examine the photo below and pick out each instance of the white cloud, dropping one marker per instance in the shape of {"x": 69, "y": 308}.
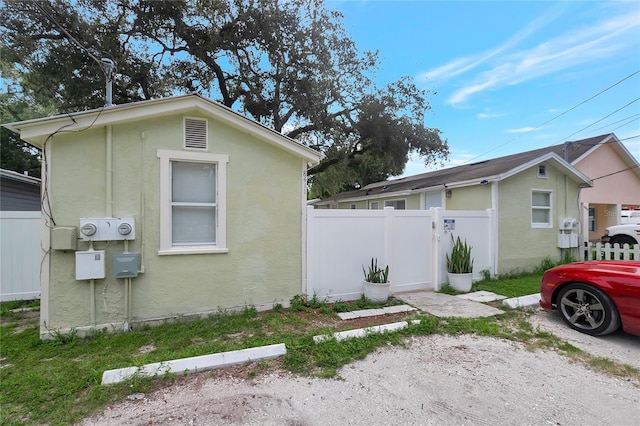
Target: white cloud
{"x": 483, "y": 115}
{"x": 505, "y": 66}
{"x": 521, "y": 130}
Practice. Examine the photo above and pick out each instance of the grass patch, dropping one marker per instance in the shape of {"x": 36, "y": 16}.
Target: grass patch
{"x": 58, "y": 382}
{"x": 514, "y": 287}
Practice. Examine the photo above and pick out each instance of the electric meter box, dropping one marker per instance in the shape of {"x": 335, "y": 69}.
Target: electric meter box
{"x": 90, "y": 265}
{"x": 125, "y": 265}
{"x": 64, "y": 238}
{"x": 568, "y": 240}
{"x": 107, "y": 229}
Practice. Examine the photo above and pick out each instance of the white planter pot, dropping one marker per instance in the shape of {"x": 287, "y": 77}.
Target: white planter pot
{"x": 376, "y": 292}
{"x": 461, "y": 282}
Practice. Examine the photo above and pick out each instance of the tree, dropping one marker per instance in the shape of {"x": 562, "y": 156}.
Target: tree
{"x": 287, "y": 64}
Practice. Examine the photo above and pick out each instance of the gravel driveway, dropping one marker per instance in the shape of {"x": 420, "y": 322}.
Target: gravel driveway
{"x": 437, "y": 380}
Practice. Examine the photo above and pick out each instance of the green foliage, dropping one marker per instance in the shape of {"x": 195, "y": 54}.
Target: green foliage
{"x": 290, "y": 65}
{"x": 375, "y": 274}
{"x": 511, "y": 287}
{"x": 460, "y": 261}
{"x": 447, "y": 289}
{"x": 59, "y": 382}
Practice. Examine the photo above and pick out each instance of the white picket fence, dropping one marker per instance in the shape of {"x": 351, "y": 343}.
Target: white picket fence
{"x": 599, "y": 251}
{"x": 412, "y": 242}
{"x": 20, "y": 255}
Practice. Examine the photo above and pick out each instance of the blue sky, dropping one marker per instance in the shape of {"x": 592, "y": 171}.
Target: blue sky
{"x": 500, "y": 70}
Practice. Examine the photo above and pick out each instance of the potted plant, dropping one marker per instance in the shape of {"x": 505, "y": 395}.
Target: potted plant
{"x": 460, "y": 266}
{"x": 376, "y": 282}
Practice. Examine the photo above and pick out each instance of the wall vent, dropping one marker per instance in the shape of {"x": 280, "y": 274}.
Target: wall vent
{"x": 195, "y": 133}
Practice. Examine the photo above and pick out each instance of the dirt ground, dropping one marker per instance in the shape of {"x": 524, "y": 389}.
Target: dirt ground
{"x": 436, "y": 380}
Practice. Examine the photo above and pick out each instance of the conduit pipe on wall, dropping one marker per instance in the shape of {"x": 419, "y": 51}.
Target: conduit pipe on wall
{"x": 143, "y": 138}
{"x": 109, "y": 173}
{"x": 92, "y": 292}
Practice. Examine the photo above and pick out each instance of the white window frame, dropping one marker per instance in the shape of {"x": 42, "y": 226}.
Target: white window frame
{"x": 542, "y": 171}
{"x": 166, "y": 244}
{"x": 395, "y": 200}
{"x": 374, "y": 205}
{"x": 592, "y": 219}
{"x": 437, "y": 193}
{"x": 549, "y": 208}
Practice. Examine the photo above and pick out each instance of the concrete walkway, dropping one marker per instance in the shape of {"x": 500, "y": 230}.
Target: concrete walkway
{"x": 444, "y": 305}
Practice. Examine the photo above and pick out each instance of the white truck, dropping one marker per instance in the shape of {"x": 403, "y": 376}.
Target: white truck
{"x": 622, "y": 234}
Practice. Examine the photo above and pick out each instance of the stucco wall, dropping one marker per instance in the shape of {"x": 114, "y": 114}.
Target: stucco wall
{"x": 520, "y": 246}
{"x": 477, "y": 197}
{"x": 264, "y": 223}
{"x": 618, "y": 188}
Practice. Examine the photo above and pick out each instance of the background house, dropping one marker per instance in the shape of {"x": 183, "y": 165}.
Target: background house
{"x": 19, "y": 236}
{"x": 532, "y": 193}
{"x": 215, "y": 203}
{"x": 615, "y": 174}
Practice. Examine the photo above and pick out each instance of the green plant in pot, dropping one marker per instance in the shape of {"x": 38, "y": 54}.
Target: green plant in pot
{"x": 376, "y": 282}
{"x": 460, "y": 265}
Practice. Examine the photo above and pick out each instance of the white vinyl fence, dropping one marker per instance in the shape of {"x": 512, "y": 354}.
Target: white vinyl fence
{"x": 599, "y": 251}
{"x": 19, "y": 255}
{"x": 413, "y": 243}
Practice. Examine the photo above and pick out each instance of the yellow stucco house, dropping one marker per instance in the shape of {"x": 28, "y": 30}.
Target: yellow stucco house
{"x": 163, "y": 209}
{"x": 534, "y": 194}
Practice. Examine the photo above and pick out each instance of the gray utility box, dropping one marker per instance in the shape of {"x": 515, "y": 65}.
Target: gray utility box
{"x": 125, "y": 265}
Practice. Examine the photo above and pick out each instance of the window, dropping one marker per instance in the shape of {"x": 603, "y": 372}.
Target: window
{"x": 396, "y": 204}
{"x": 541, "y": 209}
{"x": 432, "y": 199}
{"x": 353, "y": 206}
{"x": 373, "y": 205}
{"x": 542, "y": 171}
{"x": 592, "y": 219}
{"x": 193, "y": 202}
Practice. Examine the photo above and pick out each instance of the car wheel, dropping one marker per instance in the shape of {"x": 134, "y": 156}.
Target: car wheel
{"x": 588, "y": 310}
{"x": 622, "y": 240}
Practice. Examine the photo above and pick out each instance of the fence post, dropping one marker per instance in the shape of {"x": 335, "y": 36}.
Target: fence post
{"x": 309, "y": 246}
{"x": 389, "y": 232}
{"x": 493, "y": 240}
{"x": 435, "y": 248}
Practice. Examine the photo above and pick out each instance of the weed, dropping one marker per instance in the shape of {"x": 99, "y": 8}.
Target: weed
{"x": 59, "y": 382}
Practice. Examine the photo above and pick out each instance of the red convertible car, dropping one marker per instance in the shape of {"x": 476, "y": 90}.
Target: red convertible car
{"x": 595, "y": 297}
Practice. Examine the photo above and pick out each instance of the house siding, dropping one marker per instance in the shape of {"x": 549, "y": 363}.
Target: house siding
{"x": 264, "y": 224}
{"x": 19, "y": 196}
{"x": 521, "y": 247}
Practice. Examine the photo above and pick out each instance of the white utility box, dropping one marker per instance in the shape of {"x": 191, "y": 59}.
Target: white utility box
{"x": 107, "y": 229}
{"x": 90, "y": 265}
{"x": 567, "y": 240}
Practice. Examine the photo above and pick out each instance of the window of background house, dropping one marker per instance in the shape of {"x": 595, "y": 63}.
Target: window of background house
{"x": 373, "y": 205}
{"x": 353, "y": 206}
{"x": 396, "y": 204}
{"x": 592, "y": 219}
{"x": 541, "y": 209}
{"x": 193, "y": 202}
{"x": 432, "y": 199}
